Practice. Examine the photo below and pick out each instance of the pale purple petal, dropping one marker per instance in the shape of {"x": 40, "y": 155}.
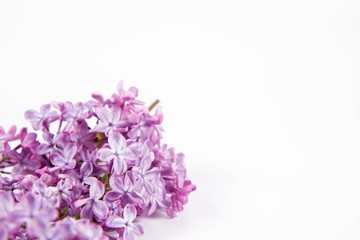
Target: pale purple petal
{"x": 37, "y": 227}
{"x": 103, "y": 114}
{"x": 86, "y": 211}
{"x": 112, "y": 196}
{"x": 6, "y": 202}
{"x": 117, "y": 141}
{"x": 100, "y": 209}
{"x": 71, "y": 164}
{"x": 116, "y": 113}
{"x": 43, "y": 149}
{"x": 3, "y": 233}
{"x": 80, "y": 202}
{"x": 119, "y": 166}
{"x": 129, "y": 153}
{"x": 128, "y": 235}
{"x": 97, "y": 190}
{"x": 45, "y": 109}
{"x": 153, "y": 206}
{"x": 115, "y": 222}
{"x": 32, "y": 115}
{"x": 129, "y": 213}
{"x": 146, "y": 161}
{"x": 106, "y": 154}
{"x": 136, "y": 228}
{"x": 58, "y": 160}
{"x": 86, "y": 169}
{"x": 116, "y": 183}
{"x": 101, "y": 127}
{"x": 69, "y": 151}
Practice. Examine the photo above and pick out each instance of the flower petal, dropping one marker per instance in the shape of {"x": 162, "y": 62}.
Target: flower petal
{"x": 128, "y": 235}
{"x": 58, "y": 160}
{"x": 43, "y": 149}
{"x": 136, "y": 228}
{"x": 116, "y": 113}
{"x": 80, "y": 202}
{"x": 100, "y": 209}
{"x": 117, "y": 141}
{"x": 103, "y": 114}
{"x": 101, "y": 127}
{"x": 119, "y": 166}
{"x": 69, "y": 151}
{"x": 116, "y": 183}
{"x": 106, "y": 154}
{"x": 129, "y": 213}
{"x": 45, "y": 109}
{"x": 112, "y": 196}
{"x": 115, "y": 222}
{"x": 97, "y": 190}
{"x": 86, "y": 169}
{"x": 86, "y": 211}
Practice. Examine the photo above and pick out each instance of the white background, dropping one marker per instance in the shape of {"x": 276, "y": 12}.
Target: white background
{"x": 263, "y": 97}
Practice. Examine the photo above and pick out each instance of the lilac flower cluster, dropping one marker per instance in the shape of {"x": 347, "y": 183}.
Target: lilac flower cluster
{"x": 83, "y": 181}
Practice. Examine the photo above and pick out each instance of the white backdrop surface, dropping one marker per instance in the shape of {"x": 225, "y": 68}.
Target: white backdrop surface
{"x": 263, "y": 97}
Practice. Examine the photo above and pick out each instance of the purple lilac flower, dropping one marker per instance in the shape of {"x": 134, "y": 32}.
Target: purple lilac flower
{"x": 64, "y": 192}
{"x": 35, "y": 216}
{"x": 48, "y": 145}
{"x": 157, "y": 198}
{"x": 144, "y": 175}
{"x": 27, "y": 139}
{"x": 72, "y": 229}
{"x": 119, "y": 152}
{"x": 123, "y": 191}
{"x": 141, "y": 129}
{"x": 90, "y": 165}
{"x": 65, "y": 160}
{"x": 73, "y": 112}
{"x": 92, "y": 204}
{"x": 44, "y": 117}
{"x": 109, "y": 120}
{"x": 126, "y": 223}
{"x": 82, "y": 136}
{"x": 48, "y": 196}
{"x": 180, "y": 198}
{"x": 24, "y": 162}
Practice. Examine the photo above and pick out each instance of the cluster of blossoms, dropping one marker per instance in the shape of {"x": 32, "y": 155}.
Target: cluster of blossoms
{"x": 88, "y": 182}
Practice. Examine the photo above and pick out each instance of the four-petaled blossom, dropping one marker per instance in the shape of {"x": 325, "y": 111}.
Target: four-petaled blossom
{"x": 141, "y": 129}
{"x": 119, "y": 152}
{"x": 37, "y": 119}
{"x": 124, "y": 191}
{"x": 66, "y": 158}
{"x": 109, "y": 120}
{"x": 64, "y": 192}
{"x": 126, "y": 222}
{"x": 157, "y": 199}
{"x": 93, "y": 206}
{"x": 144, "y": 175}
{"x": 31, "y": 212}
{"x": 24, "y": 162}
{"x": 47, "y": 195}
